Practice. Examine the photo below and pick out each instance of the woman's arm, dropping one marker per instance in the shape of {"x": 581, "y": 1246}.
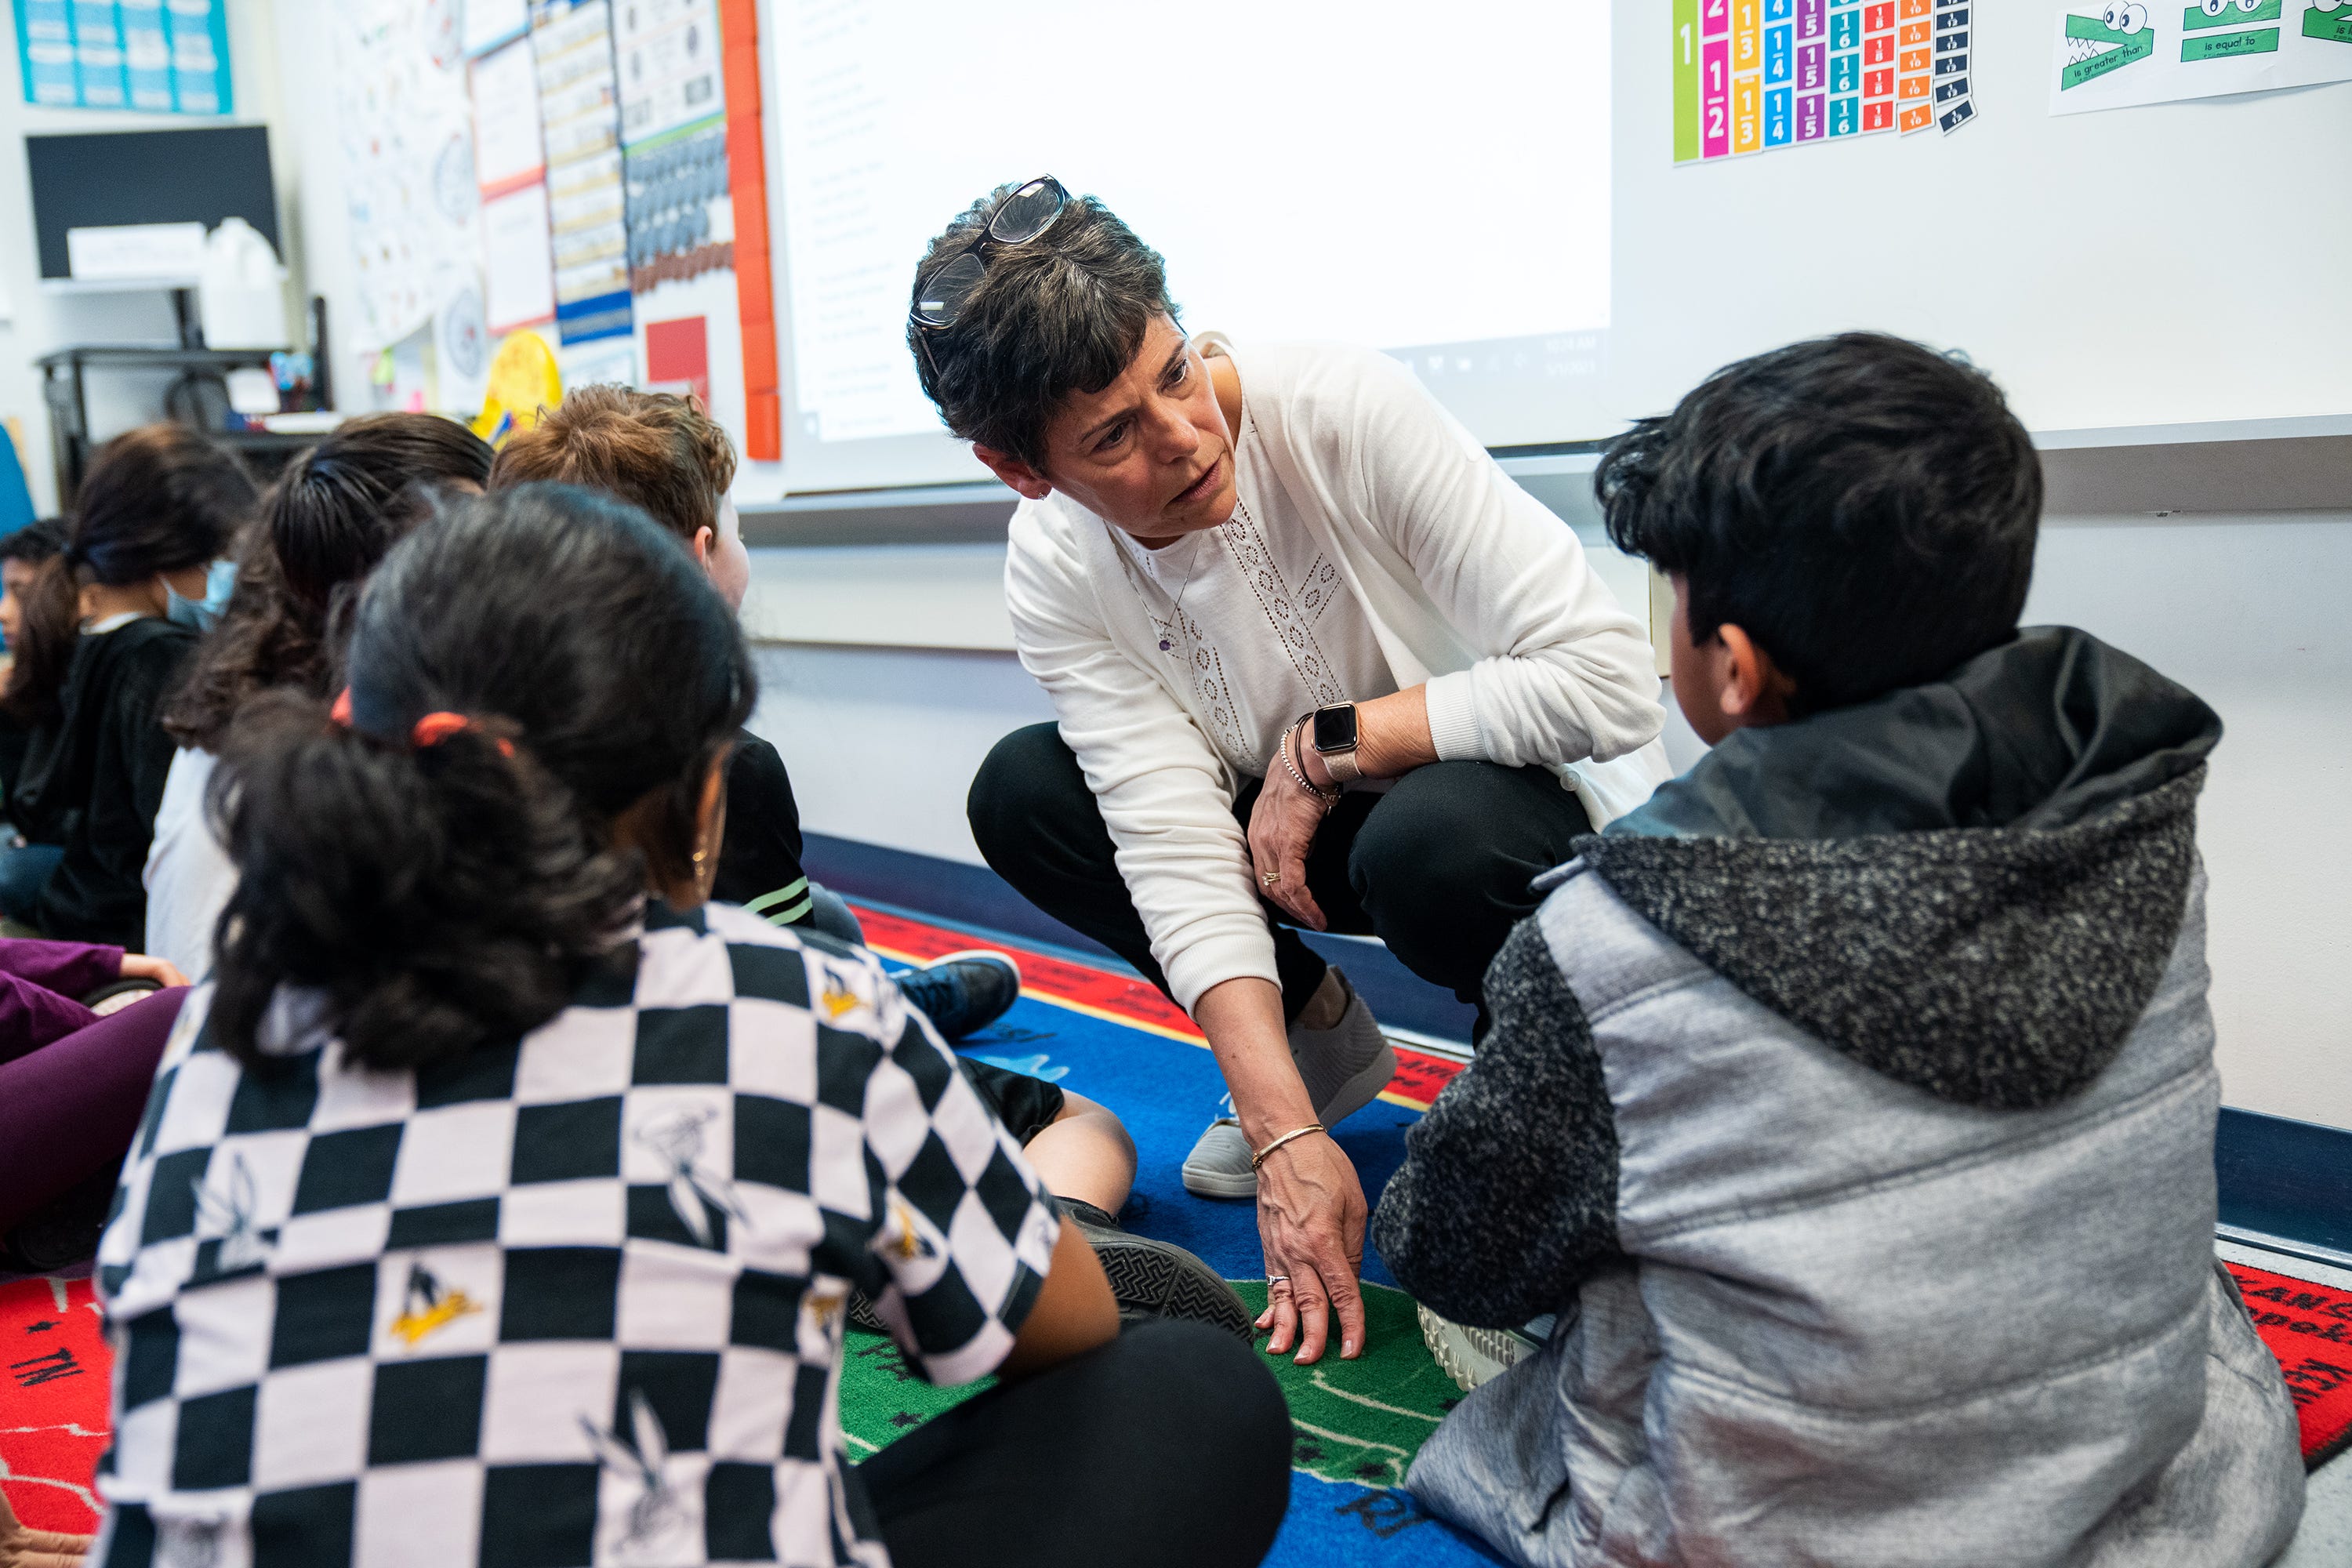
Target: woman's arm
{"x": 1565, "y": 671}
{"x": 1163, "y": 792}
{"x": 1163, "y": 796}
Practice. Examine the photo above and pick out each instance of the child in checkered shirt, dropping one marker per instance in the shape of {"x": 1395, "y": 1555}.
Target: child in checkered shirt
{"x": 662, "y": 452}
{"x": 500, "y": 1200}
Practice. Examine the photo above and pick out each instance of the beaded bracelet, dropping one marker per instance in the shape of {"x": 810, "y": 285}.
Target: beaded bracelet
{"x": 1329, "y": 797}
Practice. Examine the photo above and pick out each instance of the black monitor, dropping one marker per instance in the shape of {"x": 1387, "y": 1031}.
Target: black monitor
{"x": 201, "y": 176}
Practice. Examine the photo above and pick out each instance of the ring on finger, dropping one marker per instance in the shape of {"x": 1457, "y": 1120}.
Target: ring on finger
{"x": 1269, "y": 878}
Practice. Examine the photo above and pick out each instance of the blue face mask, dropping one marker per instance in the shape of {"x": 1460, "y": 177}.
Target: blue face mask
{"x": 201, "y": 615}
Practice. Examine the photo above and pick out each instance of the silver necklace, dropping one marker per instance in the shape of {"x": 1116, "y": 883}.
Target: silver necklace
{"x": 1166, "y": 642}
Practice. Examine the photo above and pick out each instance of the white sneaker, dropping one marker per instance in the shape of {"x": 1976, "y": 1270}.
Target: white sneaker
{"x": 1344, "y": 1069}
{"x": 1471, "y": 1356}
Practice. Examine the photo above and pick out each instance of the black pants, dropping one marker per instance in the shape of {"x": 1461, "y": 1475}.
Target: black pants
{"x": 1438, "y": 868}
{"x": 1171, "y": 1444}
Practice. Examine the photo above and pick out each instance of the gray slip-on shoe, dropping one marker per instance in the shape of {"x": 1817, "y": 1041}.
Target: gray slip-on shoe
{"x": 1344, "y": 1069}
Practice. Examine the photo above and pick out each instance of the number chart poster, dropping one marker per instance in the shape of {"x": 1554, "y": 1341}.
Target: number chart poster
{"x": 1755, "y": 75}
{"x": 2122, "y": 55}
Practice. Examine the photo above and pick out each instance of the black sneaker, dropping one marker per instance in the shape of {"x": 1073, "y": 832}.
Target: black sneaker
{"x": 963, "y": 993}
{"x": 1157, "y": 1279}
{"x": 62, "y": 1232}
{"x": 1148, "y": 1278}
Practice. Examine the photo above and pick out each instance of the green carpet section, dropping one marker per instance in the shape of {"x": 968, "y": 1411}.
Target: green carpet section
{"x": 1359, "y": 1422}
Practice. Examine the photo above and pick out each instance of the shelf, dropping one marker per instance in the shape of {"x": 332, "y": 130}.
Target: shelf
{"x": 115, "y": 285}
{"x": 267, "y": 440}
{"x": 2228, "y": 466}
{"x": 156, "y": 356}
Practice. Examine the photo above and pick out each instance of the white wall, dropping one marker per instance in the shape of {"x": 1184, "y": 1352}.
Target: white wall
{"x": 2249, "y": 612}
{"x": 44, "y": 321}
{"x": 2246, "y": 611}
{"x": 882, "y": 743}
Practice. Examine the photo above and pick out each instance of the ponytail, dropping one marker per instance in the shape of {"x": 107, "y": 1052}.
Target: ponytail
{"x": 436, "y": 882}
{"x": 45, "y": 644}
{"x": 439, "y": 896}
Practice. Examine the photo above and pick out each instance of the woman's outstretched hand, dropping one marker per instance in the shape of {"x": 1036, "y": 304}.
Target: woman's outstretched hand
{"x": 1281, "y": 830}
{"x": 1310, "y": 1219}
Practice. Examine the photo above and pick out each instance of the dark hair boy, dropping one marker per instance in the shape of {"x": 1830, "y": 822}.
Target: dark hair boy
{"x": 1853, "y": 1103}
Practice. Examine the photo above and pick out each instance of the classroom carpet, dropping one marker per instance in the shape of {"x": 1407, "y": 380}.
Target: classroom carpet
{"x": 1106, "y": 1034}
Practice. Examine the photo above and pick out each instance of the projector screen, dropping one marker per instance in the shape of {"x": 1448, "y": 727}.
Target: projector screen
{"x": 1430, "y": 179}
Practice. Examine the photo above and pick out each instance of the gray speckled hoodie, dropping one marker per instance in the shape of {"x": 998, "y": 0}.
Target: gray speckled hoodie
{"x": 1852, "y": 1103}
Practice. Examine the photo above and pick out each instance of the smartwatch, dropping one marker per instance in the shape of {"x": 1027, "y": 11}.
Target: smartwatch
{"x": 1334, "y": 739}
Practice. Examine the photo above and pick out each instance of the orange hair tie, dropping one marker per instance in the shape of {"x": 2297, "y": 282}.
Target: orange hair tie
{"x": 429, "y": 731}
{"x": 435, "y": 728}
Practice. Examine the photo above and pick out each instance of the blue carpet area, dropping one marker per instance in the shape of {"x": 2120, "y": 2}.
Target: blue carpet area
{"x": 1167, "y": 1091}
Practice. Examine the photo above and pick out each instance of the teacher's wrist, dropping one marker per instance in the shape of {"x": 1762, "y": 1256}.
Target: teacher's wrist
{"x": 1310, "y": 760}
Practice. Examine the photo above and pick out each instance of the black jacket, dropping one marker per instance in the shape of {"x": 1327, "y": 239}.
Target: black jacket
{"x": 759, "y": 859}
{"x": 93, "y": 779}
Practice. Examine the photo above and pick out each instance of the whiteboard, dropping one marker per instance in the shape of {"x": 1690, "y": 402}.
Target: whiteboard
{"x": 2173, "y": 264}
{"x": 2169, "y": 264}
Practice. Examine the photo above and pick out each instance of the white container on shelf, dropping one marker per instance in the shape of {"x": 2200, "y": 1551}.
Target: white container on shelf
{"x": 241, "y": 293}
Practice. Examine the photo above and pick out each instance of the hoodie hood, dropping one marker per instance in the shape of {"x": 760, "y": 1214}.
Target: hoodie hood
{"x": 1972, "y": 886}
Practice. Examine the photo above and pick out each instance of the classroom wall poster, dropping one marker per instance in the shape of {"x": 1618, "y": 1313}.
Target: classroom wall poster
{"x": 162, "y": 56}
{"x": 673, "y": 131}
{"x": 681, "y": 210}
{"x": 487, "y": 25}
{"x": 572, "y": 41}
{"x": 413, "y": 205}
{"x": 510, "y": 167}
{"x": 1751, "y": 75}
{"x": 2118, "y": 56}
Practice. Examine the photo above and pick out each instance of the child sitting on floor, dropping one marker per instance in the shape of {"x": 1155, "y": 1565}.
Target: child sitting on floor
{"x": 500, "y": 1200}
{"x": 1853, "y": 1103}
{"x": 662, "y": 452}
{"x": 324, "y": 525}
{"x": 107, "y": 628}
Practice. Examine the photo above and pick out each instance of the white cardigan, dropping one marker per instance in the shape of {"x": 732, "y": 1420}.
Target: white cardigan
{"x": 1472, "y": 585}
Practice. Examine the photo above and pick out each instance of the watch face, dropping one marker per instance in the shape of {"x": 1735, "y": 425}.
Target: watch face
{"x": 1335, "y": 728}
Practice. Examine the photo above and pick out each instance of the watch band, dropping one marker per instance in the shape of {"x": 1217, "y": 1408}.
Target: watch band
{"x": 1341, "y": 763}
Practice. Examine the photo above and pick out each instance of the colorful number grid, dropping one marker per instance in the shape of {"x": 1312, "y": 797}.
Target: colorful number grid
{"x": 1752, "y": 75}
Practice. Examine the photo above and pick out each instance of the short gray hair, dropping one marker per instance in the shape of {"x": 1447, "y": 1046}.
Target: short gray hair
{"x": 1062, "y": 313}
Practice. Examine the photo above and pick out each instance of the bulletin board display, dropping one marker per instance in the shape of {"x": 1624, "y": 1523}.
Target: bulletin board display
{"x": 572, "y": 170}
{"x": 159, "y": 56}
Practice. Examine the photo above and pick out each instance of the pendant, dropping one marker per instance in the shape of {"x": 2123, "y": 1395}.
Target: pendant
{"x": 1167, "y": 647}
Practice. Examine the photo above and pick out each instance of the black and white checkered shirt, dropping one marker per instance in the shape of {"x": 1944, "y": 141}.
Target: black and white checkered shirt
{"x": 576, "y": 1299}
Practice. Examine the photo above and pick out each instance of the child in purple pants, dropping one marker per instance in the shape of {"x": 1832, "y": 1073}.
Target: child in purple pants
{"x": 72, "y": 1084}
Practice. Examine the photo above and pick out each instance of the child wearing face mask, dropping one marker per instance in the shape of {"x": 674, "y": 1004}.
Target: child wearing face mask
{"x": 106, "y": 628}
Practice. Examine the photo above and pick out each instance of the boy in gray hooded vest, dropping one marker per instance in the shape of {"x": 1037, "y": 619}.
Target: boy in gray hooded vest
{"x": 1853, "y": 1103}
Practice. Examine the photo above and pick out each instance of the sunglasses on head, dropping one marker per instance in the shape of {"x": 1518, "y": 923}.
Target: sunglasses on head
{"x": 1021, "y": 215}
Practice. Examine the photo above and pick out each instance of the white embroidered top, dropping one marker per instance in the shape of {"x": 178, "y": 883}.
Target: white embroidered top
{"x": 1455, "y": 578}
{"x": 1258, "y": 619}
